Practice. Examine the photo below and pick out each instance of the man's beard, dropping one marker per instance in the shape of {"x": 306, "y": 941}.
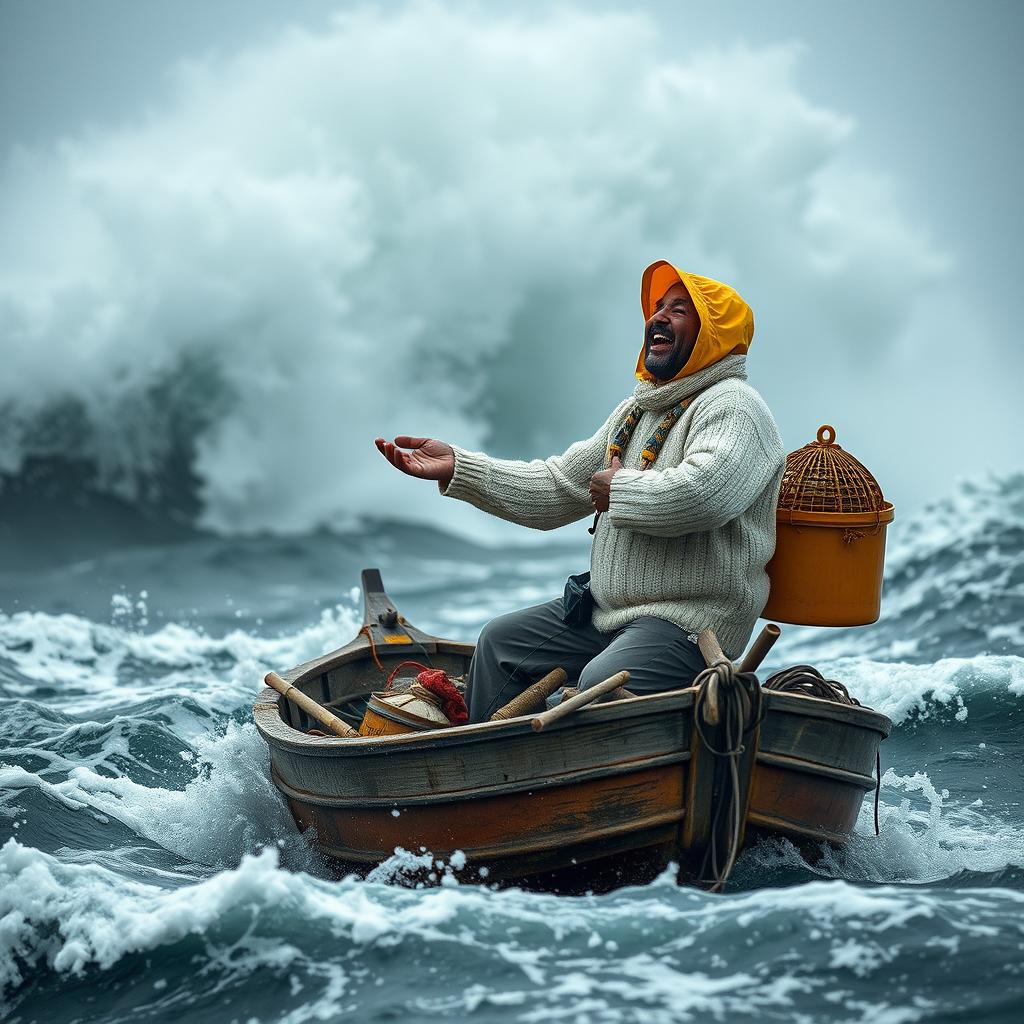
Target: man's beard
{"x": 666, "y": 366}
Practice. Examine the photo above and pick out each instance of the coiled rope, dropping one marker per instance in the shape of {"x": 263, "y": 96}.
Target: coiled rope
{"x": 807, "y": 680}
{"x": 731, "y": 701}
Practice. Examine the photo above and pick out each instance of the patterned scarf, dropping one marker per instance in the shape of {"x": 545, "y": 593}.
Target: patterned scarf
{"x": 652, "y": 448}
{"x": 654, "y": 443}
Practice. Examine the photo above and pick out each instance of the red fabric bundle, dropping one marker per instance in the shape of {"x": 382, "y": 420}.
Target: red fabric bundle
{"x": 437, "y": 682}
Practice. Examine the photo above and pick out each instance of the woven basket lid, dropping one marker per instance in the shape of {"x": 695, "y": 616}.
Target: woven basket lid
{"x": 417, "y": 704}
{"x": 822, "y": 477}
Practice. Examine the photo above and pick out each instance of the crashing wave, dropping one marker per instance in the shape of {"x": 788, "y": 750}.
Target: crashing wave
{"x": 228, "y": 316}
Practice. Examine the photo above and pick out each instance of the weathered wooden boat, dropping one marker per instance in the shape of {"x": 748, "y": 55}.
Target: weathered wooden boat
{"x": 608, "y": 796}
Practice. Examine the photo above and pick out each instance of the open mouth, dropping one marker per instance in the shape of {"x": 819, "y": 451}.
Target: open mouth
{"x": 659, "y": 342}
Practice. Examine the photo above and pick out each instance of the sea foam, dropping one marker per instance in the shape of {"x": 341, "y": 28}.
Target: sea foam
{"x": 678, "y": 952}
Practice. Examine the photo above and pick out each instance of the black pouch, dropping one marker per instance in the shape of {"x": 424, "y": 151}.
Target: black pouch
{"x": 577, "y": 601}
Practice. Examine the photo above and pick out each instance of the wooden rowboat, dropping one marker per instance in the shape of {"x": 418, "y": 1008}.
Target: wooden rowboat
{"x": 606, "y": 797}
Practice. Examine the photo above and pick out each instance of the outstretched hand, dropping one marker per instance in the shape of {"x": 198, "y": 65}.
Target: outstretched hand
{"x": 601, "y": 486}
{"x": 424, "y": 457}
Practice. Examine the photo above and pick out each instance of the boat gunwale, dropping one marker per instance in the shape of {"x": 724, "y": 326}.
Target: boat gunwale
{"x": 276, "y": 731}
{"x": 285, "y": 736}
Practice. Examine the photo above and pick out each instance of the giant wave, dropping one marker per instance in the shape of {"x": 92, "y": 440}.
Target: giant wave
{"x": 225, "y": 301}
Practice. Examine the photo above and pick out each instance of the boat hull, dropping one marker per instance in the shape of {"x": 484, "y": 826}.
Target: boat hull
{"x": 608, "y": 789}
{"x": 607, "y": 796}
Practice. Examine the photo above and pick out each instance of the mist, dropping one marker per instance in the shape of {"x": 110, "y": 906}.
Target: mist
{"x": 425, "y": 221}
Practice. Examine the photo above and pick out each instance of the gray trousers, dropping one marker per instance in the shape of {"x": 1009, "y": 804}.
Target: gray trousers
{"x": 516, "y": 649}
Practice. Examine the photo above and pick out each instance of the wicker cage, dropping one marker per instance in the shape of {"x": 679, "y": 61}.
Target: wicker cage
{"x": 822, "y": 477}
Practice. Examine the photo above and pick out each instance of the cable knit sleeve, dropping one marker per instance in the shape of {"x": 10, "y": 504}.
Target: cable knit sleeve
{"x": 543, "y": 494}
{"x": 732, "y": 452}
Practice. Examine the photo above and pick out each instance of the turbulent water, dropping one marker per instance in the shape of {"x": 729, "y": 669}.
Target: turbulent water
{"x": 149, "y": 871}
{"x": 192, "y": 309}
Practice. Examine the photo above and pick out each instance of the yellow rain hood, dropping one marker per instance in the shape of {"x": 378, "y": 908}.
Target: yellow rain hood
{"x": 726, "y": 321}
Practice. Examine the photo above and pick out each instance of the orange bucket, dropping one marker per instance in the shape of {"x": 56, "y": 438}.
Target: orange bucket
{"x": 827, "y": 567}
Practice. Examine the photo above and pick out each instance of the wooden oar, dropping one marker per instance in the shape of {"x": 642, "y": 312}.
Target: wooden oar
{"x": 533, "y": 697}
{"x": 620, "y": 694}
{"x": 760, "y": 648}
{"x": 310, "y": 706}
{"x": 713, "y": 653}
{"x": 573, "y": 704}
{"x": 709, "y": 647}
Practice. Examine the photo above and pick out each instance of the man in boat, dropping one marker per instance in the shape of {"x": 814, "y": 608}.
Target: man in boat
{"x": 684, "y": 477}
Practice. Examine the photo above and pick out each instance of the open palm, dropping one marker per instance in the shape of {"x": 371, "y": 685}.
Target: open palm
{"x": 423, "y": 457}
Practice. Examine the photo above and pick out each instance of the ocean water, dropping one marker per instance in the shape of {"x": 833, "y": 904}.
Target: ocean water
{"x": 149, "y": 871}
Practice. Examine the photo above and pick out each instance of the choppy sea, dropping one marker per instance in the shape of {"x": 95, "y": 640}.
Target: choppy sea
{"x": 150, "y": 872}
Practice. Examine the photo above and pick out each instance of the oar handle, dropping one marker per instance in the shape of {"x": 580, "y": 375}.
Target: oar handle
{"x": 309, "y": 706}
{"x": 533, "y": 697}
{"x": 709, "y": 647}
{"x": 760, "y": 648}
{"x": 582, "y": 699}
{"x": 712, "y": 653}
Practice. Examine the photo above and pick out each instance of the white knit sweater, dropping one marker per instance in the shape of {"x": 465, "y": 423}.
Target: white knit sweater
{"x": 686, "y": 540}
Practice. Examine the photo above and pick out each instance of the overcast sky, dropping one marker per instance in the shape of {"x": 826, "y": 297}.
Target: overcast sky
{"x": 933, "y": 85}
{"x": 918, "y": 102}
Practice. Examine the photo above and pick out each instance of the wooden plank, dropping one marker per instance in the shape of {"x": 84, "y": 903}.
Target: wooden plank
{"x": 826, "y": 771}
{"x": 532, "y": 784}
{"x": 522, "y": 756}
{"x": 824, "y": 741}
{"x": 633, "y": 856}
{"x": 815, "y": 707}
{"x": 803, "y": 801}
{"x": 715, "y": 800}
{"x": 700, "y": 792}
{"x": 745, "y": 774}
{"x": 552, "y": 818}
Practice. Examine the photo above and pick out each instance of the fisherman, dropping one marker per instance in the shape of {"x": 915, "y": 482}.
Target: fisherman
{"x": 683, "y": 478}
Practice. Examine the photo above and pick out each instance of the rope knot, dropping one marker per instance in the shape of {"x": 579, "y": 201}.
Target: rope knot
{"x": 728, "y": 711}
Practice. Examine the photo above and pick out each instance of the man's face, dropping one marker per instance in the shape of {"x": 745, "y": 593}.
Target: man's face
{"x": 671, "y": 333}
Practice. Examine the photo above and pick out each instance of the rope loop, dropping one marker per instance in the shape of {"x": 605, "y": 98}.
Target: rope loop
{"x": 738, "y": 711}
{"x": 367, "y": 631}
{"x": 398, "y": 668}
